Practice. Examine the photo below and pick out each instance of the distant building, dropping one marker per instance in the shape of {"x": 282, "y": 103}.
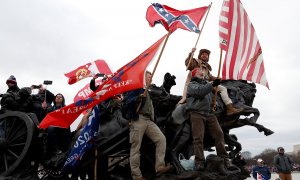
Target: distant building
{"x": 296, "y": 149}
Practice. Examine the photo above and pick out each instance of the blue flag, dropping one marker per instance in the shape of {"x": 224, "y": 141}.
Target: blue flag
{"x": 84, "y": 141}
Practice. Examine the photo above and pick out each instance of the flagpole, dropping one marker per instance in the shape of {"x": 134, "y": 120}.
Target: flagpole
{"x": 219, "y": 70}
{"x": 216, "y": 89}
{"x": 158, "y": 59}
{"x": 199, "y": 34}
{"x": 95, "y": 165}
{"x": 160, "y": 54}
{"x": 154, "y": 69}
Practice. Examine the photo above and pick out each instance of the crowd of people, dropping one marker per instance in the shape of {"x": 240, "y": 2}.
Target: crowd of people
{"x": 282, "y": 164}
{"x": 197, "y": 95}
{"x": 41, "y": 103}
{"x": 140, "y": 113}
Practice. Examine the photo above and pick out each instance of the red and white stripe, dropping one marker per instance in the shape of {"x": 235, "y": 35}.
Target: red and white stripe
{"x": 243, "y": 59}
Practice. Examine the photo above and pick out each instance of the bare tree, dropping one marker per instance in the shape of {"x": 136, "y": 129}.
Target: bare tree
{"x": 267, "y": 155}
{"x": 247, "y": 155}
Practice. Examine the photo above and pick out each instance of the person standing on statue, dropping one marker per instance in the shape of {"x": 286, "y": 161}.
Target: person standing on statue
{"x": 202, "y": 63}
{"x": 284, "y": 164}
{"x": 140, "y": 114}
{"x": 199, "y": 106}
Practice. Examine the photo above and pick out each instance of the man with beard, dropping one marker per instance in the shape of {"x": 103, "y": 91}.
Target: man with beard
{"x": 202, "y": 63}
{"x": 284, "y": 164}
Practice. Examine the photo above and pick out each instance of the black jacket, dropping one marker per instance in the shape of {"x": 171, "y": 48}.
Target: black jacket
{"x": 131, "y": 103}
{"x": 17, "y": 101}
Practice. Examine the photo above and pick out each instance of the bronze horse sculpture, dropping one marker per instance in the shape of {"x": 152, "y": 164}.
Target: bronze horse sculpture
{"x": 173, "y": 119}
{"x": 176, "y": 119}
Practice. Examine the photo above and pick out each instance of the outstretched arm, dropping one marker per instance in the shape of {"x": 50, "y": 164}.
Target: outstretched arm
{"x": 190, "y": 62}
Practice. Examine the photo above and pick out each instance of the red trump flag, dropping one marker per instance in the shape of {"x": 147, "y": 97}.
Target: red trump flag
{"x": 88, "y": 70}
{"x": 129, "y": 77}
{"x": 86, "y": 90}
{"x": 244, "y": 59}
{"x": 172, "y": 19}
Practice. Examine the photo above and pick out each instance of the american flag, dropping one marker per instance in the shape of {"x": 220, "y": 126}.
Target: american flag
{"x": 244, "y": 59}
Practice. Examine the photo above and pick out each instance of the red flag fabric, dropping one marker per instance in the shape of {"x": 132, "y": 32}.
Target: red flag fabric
{"x": 172, "y": 19}
{"x": 85, "y": 92}
{"x": 244, "y": 59}
{"x": 129, "y": 77}
{"x": 88, "y": 70}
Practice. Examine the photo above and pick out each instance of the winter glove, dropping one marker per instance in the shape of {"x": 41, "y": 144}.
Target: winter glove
{"x": 216, "y": 82}
{"x": 141, "y": 98}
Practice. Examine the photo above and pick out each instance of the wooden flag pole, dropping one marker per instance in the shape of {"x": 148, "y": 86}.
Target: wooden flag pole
{"x": 160, "y": 54}
{"x": 219, "y": 70}
{"x": 199, "y": 34}
{"x": 156, "y": 64}
{"x": 158, "y": 59}
{"x": 95, "y": 165}
{"x": 216, "y": 88}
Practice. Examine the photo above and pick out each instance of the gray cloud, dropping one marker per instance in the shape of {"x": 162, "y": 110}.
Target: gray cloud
{"x": 45, "y": 39}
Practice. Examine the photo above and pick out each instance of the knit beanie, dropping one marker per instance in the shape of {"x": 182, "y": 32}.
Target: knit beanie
{"x": 11, "y": 79}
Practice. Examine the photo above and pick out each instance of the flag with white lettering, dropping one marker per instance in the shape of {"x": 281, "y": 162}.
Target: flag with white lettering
{"x": 129, "y": 77}
{"x": 172, "y": 18}
{"x": 86, "y": 91}
{"x": 84, "y": 141}
{"x": 88, "y": 70}
{"x": 244, "y": 59}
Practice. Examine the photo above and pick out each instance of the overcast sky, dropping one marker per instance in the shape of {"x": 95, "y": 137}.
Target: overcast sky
{"x": 42, "y": 40}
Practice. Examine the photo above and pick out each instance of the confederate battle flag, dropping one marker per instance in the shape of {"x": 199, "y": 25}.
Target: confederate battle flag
{"x": 88, "y": 70}
{"x": 172, "y": 19}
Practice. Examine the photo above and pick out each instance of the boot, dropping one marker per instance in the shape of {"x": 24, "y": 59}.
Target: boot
{"x": 200, "y": 166}
{"x": 216, "y": 164}
{"x": 231, "y": 110}
{"x": 140, "y": 178}
{"x": 163, "y": 169}
{"x": 227, "y": 163}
